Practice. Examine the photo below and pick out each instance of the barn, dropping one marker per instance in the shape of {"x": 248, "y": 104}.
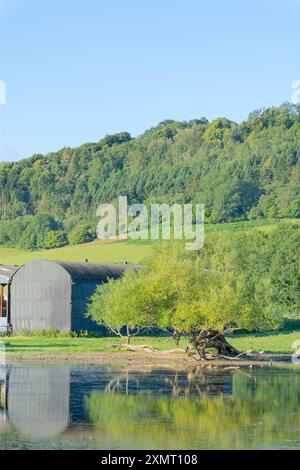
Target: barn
{"x": 54, "y": 295}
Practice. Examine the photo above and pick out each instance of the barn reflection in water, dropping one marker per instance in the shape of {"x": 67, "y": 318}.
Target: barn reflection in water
{"x": 46, "y": 402}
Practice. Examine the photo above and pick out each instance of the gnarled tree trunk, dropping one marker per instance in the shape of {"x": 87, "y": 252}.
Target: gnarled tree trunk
{"x": 210, "y": 339}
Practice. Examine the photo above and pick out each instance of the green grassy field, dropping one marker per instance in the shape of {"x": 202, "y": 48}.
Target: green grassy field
{"x": 121, "y": 251}
{"x": 273, "y": 342}
{"x": 95, "y": 252}
{"x": 279, "y": 341}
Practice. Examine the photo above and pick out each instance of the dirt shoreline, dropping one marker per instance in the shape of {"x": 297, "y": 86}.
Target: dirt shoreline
{"x": 138, "y": 359}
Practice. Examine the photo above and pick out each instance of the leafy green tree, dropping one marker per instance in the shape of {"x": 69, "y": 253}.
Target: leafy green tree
{"x": 114, "y": 139}
{"x": 209, "y": 292}
{"x": 55, "y": 239}
{"x": 115, "y": 305}
{"x": 285, "y": 270}
{"x": 37, "y": 230}
{"x": 217, "y": 131}
{"x": 11, "y": 230}
{"x": 82, "y": 234}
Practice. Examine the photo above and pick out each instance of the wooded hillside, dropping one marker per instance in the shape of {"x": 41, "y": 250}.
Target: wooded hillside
{"x": 245, "y": 171}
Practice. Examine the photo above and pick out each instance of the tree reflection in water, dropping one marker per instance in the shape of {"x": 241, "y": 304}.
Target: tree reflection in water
{"x": 263, "y": 411}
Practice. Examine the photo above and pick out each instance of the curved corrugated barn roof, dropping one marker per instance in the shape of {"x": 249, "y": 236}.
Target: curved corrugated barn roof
{"x": 94, "y": 271}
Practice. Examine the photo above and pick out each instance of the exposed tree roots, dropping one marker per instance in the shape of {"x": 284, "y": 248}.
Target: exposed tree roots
{"x": 211, "y": 339}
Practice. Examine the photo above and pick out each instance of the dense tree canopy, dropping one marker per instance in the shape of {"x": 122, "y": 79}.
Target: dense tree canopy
{"x": 254, "y": 167}
{"x": 285, "y": 270}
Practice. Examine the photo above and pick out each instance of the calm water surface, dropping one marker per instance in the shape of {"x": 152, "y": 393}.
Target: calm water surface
{"x": 97, "y": 407}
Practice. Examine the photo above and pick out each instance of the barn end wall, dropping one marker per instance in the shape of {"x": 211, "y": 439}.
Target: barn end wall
{"x": 41, "y": 298}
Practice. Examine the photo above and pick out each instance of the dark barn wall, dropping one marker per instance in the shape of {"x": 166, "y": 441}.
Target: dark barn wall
{"x": 41, "y": 297}
{"x": 82, "y": 291}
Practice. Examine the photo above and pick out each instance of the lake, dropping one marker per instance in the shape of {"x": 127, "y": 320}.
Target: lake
{"x": 100, "y": 407}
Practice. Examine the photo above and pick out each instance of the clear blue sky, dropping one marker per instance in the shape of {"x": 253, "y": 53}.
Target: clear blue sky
{"x": 76, "y": 70}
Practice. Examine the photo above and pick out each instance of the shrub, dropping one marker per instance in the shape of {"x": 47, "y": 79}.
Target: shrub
{"x": 55, "y": 239}
{"x": 82, "y": 234}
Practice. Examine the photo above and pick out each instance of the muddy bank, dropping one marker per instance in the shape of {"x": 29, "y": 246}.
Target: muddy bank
{"x": 138, "y": 359}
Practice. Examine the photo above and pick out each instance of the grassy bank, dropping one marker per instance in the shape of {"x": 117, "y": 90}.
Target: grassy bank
{"x": 276, "y": 342}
